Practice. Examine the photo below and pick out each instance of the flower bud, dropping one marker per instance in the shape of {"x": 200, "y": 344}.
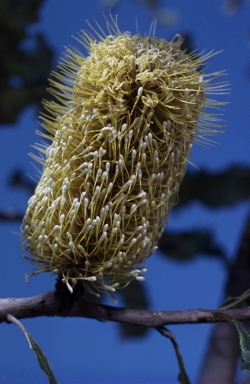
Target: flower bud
{"x": 121, "y": 130}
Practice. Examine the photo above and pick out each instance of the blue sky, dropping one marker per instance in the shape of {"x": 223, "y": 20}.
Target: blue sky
{"x": 86, "y": 351}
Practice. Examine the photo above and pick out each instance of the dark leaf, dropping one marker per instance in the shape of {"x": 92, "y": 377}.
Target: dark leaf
{"x": 241, "y": 301}
{"x": 129, "y": 331}
{"x": 11, "y": 216}
{"x": 216, "y": 190}
{"x": 41, "y": 358}
{"x": 18, "y": 179}
{"x": 24, "y": 70}
{"x": 187, "y": 245}
{"x": 187, "y": 44}
{"x": 230, "y": 7}
{"x": 244, "y": 339}
{"x": 134, "y": 296}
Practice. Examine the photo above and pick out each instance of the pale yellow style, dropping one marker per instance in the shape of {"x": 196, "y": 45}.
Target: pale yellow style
{"x": 121, "y": 132}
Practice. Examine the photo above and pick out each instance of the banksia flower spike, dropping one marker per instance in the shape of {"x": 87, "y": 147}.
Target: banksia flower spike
{"x": 121, "y": 131}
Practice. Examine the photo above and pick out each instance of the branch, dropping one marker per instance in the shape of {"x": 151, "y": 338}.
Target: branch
{"x": 51, "y": 304}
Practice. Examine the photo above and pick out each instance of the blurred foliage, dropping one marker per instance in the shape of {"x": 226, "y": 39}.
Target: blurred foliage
{"x": 216, "y": 189}
{"x": 187, "y": 245}
{"x": 134, "y": 296}
{"x": 167, "y": 16}
{"x": 163, "y": 15}
{"x": 19, "y": 179}
{"x": 24, "y": 71}
{"x": 232, "y": 6}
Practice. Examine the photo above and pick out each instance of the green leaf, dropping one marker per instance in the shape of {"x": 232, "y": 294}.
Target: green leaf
{"x": 182, "y": 377}
{"x": 241, "y": 301}
{"x": 244, "y": 338}
{"x": 41, "y": 358}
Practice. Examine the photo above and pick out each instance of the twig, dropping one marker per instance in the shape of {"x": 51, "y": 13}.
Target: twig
{"x": 182, "y": 377}
{"x": 50, "y": 304}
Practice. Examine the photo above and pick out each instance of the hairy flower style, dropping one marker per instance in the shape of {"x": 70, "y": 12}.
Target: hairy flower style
{"x": 120, "y": 133}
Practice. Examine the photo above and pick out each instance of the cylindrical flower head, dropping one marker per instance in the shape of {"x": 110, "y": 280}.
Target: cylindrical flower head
{"x": 121, "y": 132}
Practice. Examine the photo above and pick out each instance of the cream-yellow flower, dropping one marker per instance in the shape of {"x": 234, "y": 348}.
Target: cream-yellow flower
{"x": 121, "y": 131}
